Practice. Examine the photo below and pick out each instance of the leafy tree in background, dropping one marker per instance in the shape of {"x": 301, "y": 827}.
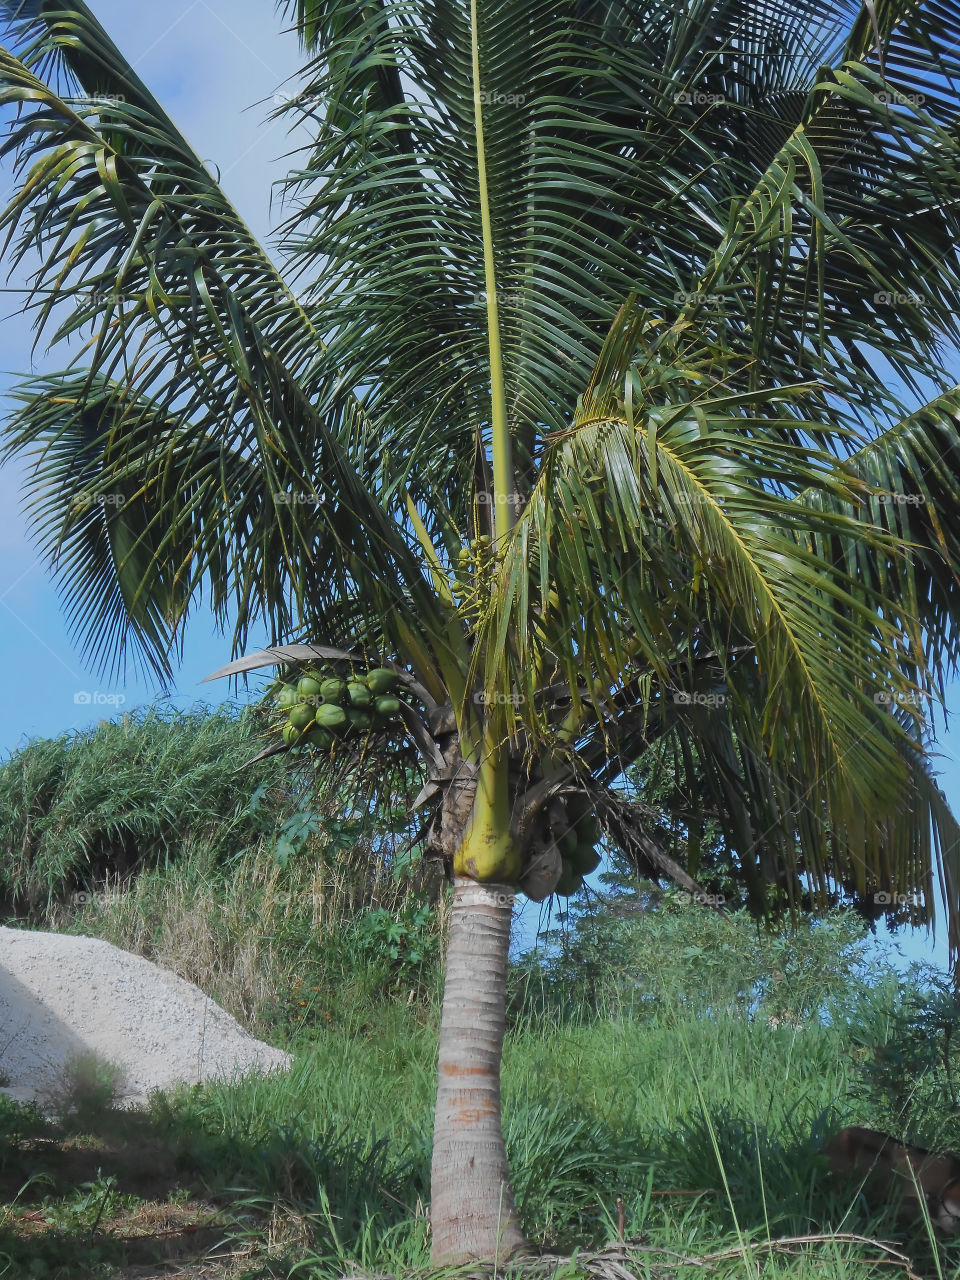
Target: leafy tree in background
{"x": 584, "y": 416}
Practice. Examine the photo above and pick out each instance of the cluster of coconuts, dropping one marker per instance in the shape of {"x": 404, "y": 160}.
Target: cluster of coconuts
{"x": 474, "y": 562}
{"x": 563, "y": 849}
{"x": 576, "y": 833}
{"x": 476, "y": 553}
{"x": 321, "y": 706}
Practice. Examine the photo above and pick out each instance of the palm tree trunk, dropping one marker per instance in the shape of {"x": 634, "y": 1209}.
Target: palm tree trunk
{"x": 472, "y": 1210}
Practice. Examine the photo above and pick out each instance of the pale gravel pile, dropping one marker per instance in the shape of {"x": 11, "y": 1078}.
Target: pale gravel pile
{"x": 61, "y": 996}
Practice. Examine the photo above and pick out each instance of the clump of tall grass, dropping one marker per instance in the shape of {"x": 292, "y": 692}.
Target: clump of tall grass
{"x": 286, "y": 910}
{"x": 129, "y": 794}
{"x": 87, "y": 1086}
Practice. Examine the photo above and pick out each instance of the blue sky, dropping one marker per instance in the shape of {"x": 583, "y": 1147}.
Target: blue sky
{"x": 208, "y": 62}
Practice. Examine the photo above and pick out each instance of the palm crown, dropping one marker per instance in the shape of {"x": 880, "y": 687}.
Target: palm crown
{"x": 667, "y": 259}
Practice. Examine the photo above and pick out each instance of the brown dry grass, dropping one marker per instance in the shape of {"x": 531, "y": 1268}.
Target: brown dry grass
{"x": 245, "y": 935}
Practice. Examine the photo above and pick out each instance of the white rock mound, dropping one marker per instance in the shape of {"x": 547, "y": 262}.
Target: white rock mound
{"x": 62, "y": 996}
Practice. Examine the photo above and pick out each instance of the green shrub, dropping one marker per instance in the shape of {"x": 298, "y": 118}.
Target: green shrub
{"x": 681, "y": 958}
{"x": 906, "y": 1044}
{"x": 19, "y": 1122}
{"x": 87, "y": 1086}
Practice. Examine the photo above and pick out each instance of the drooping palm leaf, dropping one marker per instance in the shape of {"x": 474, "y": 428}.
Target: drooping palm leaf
{"x": 700, "y": 160}
{"x": 191, "y": 323}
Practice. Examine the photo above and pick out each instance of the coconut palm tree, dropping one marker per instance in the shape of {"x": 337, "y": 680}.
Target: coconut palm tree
{"x": 607, "y": 413}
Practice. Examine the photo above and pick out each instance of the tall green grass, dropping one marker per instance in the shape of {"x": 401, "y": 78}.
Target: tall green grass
{"x": 104, "y": 805}
{"x": 704, "y": 1121}
{"x": 129, "y": 794}
{"x": 146, "y": 832}
{"x": 703, "y": 1129}
{"x": 286, "y": 948}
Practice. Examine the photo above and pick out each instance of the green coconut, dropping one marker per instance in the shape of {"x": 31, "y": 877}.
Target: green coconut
{"x": 330, "y": 716}
{"x": 290, "y": 735}
{"x": 359, "y": 694}
{"x": 321, "y": 738}
{"x": 333, "y": 690}
{"x": 569, "y": 882}
{"x": 386, "y": 705}
{"x": 578, "y": 806}
{"x": 585, "y": 859}
{"x": 308, "y": 687}
{"x": 587, "y": 830}
{"x": 568, "y": 843}
{"x": 381, "y": 680}
{"x": 359, "y": 717}
{"x": 287, "y": 697}
{"x": 301, "y": 716}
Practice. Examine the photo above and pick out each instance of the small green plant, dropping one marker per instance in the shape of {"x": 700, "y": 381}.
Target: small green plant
{"x": 407, "y": 940}
{"x": 89, "y": 1205}
{"x": 18, "y": 1123}
{"x": 87, "y": 1087}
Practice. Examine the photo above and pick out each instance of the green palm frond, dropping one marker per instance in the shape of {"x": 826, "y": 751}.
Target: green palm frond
{"x": 912, "y": 470}
{"x": 190, "y": 324}
{"x": 672, "y": 523}
{"x": 704, "y": 161}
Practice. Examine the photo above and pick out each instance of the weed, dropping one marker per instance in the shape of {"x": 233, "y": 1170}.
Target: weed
{"x": 89, "y": 1205}
{"x": 87, "y": 1087}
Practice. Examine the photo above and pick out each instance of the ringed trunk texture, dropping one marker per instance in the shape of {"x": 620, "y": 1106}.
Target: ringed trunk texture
{"x": 472, "y": 1210}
